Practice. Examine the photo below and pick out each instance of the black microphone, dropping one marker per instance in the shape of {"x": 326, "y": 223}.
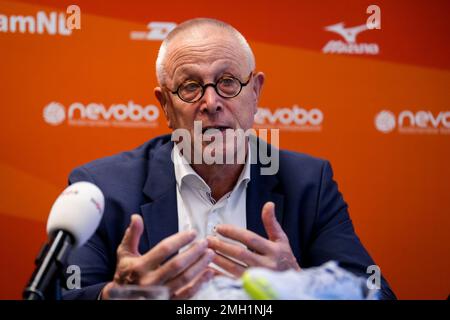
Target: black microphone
{"x": 73, "y": 219}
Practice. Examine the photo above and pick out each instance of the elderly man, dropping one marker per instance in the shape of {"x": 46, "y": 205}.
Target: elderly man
{"x": 196, "y": 219}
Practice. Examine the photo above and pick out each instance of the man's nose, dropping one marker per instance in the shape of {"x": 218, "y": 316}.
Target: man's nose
{"x": 211, "y": 101}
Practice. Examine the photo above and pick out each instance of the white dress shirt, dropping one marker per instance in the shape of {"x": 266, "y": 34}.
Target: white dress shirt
{"x": 197, "y": 210}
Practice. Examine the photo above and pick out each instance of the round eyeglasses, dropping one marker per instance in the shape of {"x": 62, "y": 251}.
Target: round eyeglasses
{"x": 226, "y": 86}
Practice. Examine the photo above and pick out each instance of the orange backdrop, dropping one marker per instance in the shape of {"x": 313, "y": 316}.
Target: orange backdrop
{"x": 382, "y": 119}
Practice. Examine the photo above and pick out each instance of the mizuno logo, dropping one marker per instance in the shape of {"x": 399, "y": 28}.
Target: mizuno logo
{"x": 349, "y": 34}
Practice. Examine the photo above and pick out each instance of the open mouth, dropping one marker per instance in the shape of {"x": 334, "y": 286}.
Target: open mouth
{"x": 220, "y": 128}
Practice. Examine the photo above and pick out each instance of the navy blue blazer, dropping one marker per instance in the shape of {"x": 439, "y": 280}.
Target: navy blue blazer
{"x": 308, "y": 205}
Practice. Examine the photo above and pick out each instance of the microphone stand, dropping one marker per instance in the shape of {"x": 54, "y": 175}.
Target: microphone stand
{"x": 45, "y": 282}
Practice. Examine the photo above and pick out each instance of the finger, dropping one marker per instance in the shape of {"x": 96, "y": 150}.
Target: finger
{"x": 167, "y": 247}
{"x": 130, "y": 241}
{"x": 162, "y": 273}
{"x": 250, "y": 239}
{"x": 228, "y": 265}
{"x": 192, "y": 288}
{"x": 214, "y": 271}
{"x": 273, "y": 228}
{"x": 191, "y": 271}
{"x": 234, "y": 251}
{"x": 181, "y": 262}
{"x": 104, "y": 294}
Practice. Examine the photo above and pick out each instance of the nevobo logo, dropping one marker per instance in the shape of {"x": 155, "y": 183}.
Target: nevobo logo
{"x": 419, "y": 122}
{"x": 96, "y": 114}
{"x": 294, "y": 118}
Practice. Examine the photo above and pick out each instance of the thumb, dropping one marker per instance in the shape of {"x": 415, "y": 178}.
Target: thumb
{"x": 271, "y": 224}
{"x": 130, "y": 241}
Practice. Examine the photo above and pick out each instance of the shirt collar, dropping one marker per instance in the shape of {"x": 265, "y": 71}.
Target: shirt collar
{"x": 184, "y": 173}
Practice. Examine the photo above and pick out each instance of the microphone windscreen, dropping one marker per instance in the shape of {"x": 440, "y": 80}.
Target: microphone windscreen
{"x": 78, "y": 210}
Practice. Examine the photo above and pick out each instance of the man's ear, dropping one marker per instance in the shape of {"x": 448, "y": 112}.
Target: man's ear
{"x": 257, "y": 87}
{"x": 159, "y": 94}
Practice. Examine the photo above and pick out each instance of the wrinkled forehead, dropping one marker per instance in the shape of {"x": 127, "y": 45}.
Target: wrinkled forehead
{"x": 204, "y": 52}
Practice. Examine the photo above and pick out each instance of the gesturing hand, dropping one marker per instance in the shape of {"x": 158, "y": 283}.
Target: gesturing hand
{"x": 274, "y": 253}
{"x": 182, "y": 274}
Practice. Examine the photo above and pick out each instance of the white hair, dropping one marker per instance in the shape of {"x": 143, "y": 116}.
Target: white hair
{"x": 198, "y": 23}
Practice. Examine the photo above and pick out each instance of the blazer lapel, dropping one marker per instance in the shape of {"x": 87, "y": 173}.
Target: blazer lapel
{"x": 261, "y": 189}
{"x": 160, "y": 213}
